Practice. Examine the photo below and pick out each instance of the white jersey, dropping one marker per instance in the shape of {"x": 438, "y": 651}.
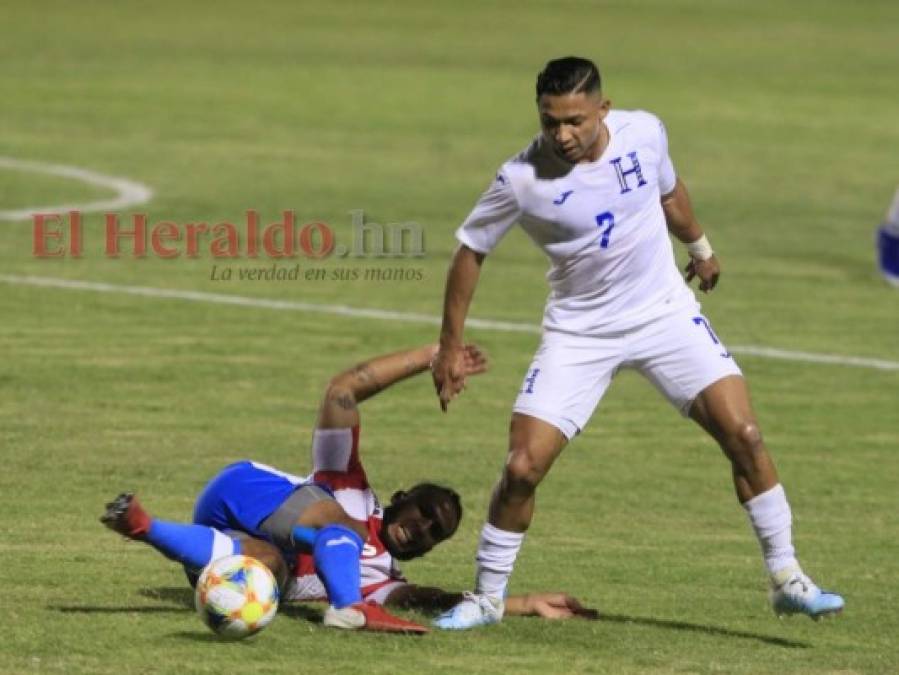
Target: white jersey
{"x": 600, "y": 223}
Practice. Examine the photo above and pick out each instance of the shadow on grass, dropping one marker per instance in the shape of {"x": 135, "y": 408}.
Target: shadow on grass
{"x": 302, "y": 612}
{"x": 700, "y": 628}
{"x": 182, "y": 598}
{"x": 185, "y": 597}
{"x": 181, "y": 595}
{"x": 209, "y": 636}
{"x": 106, "y": 609}
{"x": 178, "y": 599}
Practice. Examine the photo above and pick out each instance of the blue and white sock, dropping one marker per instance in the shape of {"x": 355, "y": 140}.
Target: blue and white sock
{"x": 336, "y": 553}
{"x": 194, "y": 546}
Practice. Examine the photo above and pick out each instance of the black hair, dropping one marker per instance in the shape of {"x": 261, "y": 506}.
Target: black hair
{"x": 568, "y": 75}
{"x": 432, "y": 493}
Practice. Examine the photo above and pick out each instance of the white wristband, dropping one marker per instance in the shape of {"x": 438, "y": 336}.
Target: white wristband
{"x": 700, "y": 249}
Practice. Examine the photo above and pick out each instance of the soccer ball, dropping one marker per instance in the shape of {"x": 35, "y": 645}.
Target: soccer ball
{"x": 237, "y": 596}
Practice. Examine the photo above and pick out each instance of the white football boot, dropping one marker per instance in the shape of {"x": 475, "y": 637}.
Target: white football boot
{"x": 792, "y": 592}
{"x": 474, "y": 610}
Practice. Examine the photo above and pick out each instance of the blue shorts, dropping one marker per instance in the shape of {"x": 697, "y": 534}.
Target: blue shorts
{"x": 243, "y": 495}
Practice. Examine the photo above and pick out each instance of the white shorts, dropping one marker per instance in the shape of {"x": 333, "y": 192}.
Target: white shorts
{"x": 679, "y": 353}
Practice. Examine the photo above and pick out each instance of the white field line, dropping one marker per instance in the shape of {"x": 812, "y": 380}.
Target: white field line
{"x": 811, "y": 357}
{"x": 407, "y": 317}
{"x": 128, "y": 192}
{"x": 244, "y": 301}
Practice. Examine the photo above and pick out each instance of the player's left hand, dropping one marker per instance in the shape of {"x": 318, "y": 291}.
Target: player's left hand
{"x": 558, "y": 606}
{"x": 707, "y": 271}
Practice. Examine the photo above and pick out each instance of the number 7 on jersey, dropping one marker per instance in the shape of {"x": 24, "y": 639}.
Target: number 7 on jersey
{"x": 605, "y": 219}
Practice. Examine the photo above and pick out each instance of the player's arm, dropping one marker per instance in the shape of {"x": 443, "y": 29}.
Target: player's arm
{"x": 682, "y": 224}
{"x": 351, "y": 387}
{"x": 496, "y": 211}
{"x": 461, "y": 279}
{"x": 545, "y": 605}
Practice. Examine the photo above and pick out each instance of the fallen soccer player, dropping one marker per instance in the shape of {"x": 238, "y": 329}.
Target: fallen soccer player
{"x": 325, "y": 536}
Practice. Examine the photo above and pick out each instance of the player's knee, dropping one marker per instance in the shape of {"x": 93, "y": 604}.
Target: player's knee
{"x": 522, "y": 474}
{"x": 746, "y": 446}
{"x": 749, "y": 437}
{"x": 338, "y": 516}
{"x": 329, "y": 512}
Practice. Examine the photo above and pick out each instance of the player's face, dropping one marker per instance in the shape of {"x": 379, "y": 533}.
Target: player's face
{"x": 412, "y": 527}
{"x": 572, "y": 123}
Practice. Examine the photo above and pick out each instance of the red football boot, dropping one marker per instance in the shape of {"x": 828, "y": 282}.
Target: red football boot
{"x": 125, "y": 515}
{"x": 370, "y": 616}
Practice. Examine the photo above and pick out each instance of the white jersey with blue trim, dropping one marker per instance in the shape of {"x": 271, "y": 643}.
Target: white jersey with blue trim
{"x": 601, "y": 224}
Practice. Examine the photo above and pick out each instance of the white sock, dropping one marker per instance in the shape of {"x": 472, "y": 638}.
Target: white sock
{"x": 772, "y": 521}
{"x": 497, "y": 550}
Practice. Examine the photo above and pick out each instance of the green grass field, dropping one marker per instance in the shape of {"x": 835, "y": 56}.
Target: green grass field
{"x": 783, "y": 123}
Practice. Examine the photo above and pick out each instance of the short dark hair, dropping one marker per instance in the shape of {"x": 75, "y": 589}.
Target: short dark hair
{"x": 568, "y": 75}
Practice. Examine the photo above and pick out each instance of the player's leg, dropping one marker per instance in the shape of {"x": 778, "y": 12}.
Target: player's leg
{"x": 323, "y": 513}
{"x": 271, "y": 505}
{"x": 560, "y": 391}
{"x": 686, "y": 361}
{"x": 263, "y": 551}
{"x": 193, "y": 545}
{"x": 724, "y": 410}
{"x": 266, "y": 553}
{"x": 312, "y": 521}
{"x": 533, "y": 447}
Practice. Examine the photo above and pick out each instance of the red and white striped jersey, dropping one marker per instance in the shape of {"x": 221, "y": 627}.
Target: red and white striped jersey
{"x": 336, "y": 463}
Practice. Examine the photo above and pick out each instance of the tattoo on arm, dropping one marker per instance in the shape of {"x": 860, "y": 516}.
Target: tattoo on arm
{"x": 345, "y": 401}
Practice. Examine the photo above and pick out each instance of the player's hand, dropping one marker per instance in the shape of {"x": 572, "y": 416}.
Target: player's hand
{"x": 475, "y": 361}
{"x": 558, "y": 606}
{"x": 707, "y": 271}
{"x": 449, "y": 371}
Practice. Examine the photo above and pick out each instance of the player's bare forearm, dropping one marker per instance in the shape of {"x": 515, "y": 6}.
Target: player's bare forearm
{"x": 519, "y": 605}
{"x": 376, "y": 374}
{"x": 683, "y": 225}
{"x": 461, "y": 280}
{"x": 548, "y": 606}
{"x": 351, "y": 387}
{"x": 544, "y": 605}
{"x": 339, "y": 407}
{"x": 448, "y": 370}
{"x": 679, "y": 215}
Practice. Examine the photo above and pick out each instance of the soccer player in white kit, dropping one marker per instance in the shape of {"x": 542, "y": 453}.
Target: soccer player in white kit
{"x": 597, "y": 191}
